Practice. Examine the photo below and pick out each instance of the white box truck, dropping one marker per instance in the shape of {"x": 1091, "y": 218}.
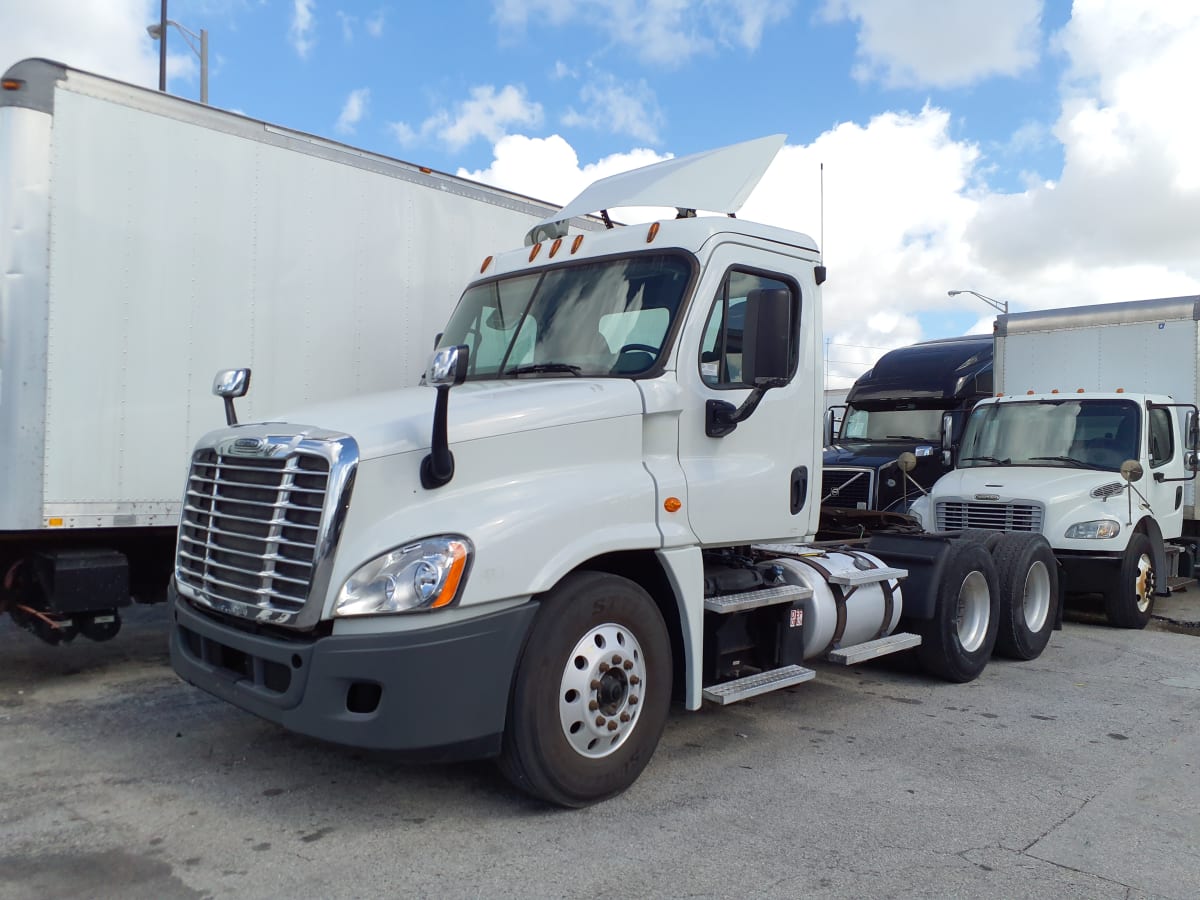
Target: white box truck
{"x": 603, "y": 498}
{"x": 146, "y": 241}
{"x": 1091, "y": 442}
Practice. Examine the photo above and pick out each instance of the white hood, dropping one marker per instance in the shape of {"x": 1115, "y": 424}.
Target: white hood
{"x": 1045, "y": 484}
{"x": 401, "y": 421}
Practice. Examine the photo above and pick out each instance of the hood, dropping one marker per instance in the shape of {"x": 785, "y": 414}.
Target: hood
{"x": 401, "y": 421}
{"x": 873, "y": 454}
{"x": 1005, "y": 483}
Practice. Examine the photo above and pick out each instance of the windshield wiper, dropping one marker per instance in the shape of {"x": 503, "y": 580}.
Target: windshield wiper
{"x": 907, "y": 437}
{"x": 1077, "y": 463}
{"x": 538, "y": 368}
{"x": 991, "y": 459}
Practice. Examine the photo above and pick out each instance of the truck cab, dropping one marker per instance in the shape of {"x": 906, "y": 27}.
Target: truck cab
{"x": 1100, "y": 475}
{"x": 915, "y": 400}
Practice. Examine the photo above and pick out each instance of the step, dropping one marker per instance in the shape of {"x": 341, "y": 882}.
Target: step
{"x": 1179, "y": 583}
{"x": 752, "y": 685}
{"x": 744, "y": 600}
{"x": 866, "y": 576}
{"x": 893, "y": 643}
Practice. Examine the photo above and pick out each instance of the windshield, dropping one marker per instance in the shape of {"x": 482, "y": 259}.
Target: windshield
{"x": 898, "y": 424}
{"x": 1080, "y": 434}
{"x": 606, "y": 318}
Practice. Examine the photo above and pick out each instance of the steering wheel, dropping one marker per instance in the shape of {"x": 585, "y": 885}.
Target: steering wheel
{"x": 644, "y": 348}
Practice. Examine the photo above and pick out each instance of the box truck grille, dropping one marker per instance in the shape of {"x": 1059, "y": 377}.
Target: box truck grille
{"x": 847, "y": 488}
{"x": 250, "y": 529}
{"x": 953, "y": 516}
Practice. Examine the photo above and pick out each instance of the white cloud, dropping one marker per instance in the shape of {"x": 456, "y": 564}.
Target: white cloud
{"x": 948, "y": 43}
{"x": 106, "y": 38}
{"x": 302, "y": 31}
{"x": 664, "y": 32}
{"x": 375, "y": 24}
{"x": 630, "y": 109}
{"x": 348, "y": 22}
{"x": 353, "y": 110}
{"x": 488, "y": 113}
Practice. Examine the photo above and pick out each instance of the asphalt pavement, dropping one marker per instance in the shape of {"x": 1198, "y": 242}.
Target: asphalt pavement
{"x": 1074, "y": 775}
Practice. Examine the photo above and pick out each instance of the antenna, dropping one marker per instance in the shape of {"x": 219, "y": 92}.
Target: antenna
{"x": 821, "y": 237}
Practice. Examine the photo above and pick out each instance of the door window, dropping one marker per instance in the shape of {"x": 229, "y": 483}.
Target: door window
{"x": 721, "y": 348}
{"x": 1162, "y": 443}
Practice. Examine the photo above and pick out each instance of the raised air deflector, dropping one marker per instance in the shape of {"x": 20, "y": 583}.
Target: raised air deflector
{"x": 716, "y": 180}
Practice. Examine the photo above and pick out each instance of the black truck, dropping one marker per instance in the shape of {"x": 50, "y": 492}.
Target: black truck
{"x": 914, "y": 399}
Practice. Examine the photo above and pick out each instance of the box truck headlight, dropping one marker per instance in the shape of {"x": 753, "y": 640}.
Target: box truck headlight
{"x": 427, "y": 574}
{"x": 1096, "y": 529}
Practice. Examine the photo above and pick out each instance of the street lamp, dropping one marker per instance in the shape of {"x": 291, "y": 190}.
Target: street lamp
{"x": 1001, "y": 305}
{"x": 190, "y": 38}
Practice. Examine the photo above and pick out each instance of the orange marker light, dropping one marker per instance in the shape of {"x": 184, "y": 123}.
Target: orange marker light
{"x": 554, "y": 247}
{"x": 1120, "y": 390}
{"x": 425, "y": 170}
{"x": 487, "y": 262}
{"x": 12, "y": 84}
{"x": 1079, "y": 390}
{"x": 1055, "y": 391}
{"x": 576, "y": 243}
{"x": 652, "y": 233}
{"x": 672, "y": 504}
{"x": 537, "y": 248}
{"x": 55, "y": 522}
{"x": 454, "y": 576}
{"x": 1029, "y": 393}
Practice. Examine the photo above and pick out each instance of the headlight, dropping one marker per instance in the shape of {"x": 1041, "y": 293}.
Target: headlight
{"x": 1098, "y": 528}
{"x": 920, "y": 509}
{"x": 426, "y": 574}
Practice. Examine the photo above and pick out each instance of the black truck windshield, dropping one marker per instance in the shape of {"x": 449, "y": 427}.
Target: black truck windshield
{"x": 1075, "y": 434}
{"x": 892, "y": 424}
{"x": 609, "y": 318}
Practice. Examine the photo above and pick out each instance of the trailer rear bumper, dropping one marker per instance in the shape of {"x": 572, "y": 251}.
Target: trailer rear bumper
{"x": 435, "y": 693}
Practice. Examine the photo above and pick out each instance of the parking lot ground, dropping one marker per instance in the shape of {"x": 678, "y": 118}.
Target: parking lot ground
{"x": 1074, "y": 775}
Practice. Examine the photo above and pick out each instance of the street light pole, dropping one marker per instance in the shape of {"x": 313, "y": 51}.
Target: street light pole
{"x": 162, "y": 48}
{"x": 1001, "y": 305}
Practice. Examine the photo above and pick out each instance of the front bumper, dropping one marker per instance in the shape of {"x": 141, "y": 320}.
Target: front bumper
{"x": 438, "y": 693}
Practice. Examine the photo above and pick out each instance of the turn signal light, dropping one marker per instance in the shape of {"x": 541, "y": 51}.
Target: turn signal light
{"x": 672, "y": 504}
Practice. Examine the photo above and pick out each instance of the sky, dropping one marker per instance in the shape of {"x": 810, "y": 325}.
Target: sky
{"x": 1044, "y": 154}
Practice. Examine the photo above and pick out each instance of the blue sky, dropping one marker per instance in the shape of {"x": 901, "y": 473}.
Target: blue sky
{"x": 1039, "y": 151}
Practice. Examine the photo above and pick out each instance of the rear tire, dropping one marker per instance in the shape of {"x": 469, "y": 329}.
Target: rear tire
{"x": 592, "y": 691}
{"x": 1129, "y": 601}
{"x": 958, "y": 641}
{"x": 1028, "y": 575}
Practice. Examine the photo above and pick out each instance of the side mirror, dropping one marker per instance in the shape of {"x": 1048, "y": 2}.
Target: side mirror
{"x": 766, "y": 339}
{"x": 447, "y": 369}
{"x": 827, "y": 426}
{"x": 906, "y": 461}
{"x": 948, "y": 439}
{"x": 229, "y": 384}
{"x": 448, "y": 366}
{"x": 1131, "y": 470}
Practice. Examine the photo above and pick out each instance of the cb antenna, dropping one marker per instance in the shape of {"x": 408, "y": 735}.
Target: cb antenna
{"x": 822, "y": 225}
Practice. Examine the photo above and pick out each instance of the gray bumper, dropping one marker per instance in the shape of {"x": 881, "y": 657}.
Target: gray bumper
{"x": 439, "y": 692}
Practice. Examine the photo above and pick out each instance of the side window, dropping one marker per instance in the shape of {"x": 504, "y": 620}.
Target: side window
{"x": 1162, "y": 442}
{"x": 721, "y": 347}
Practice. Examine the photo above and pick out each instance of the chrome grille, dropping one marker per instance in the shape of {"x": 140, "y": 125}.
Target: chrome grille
{"x": 847, "y": 488}
{"x": 956, "y": 515}
{"x": 251, "y": 529}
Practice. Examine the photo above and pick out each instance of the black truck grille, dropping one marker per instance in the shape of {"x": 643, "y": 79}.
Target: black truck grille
{"x": 847, "y": 488}
{"x": 250, "y": 528}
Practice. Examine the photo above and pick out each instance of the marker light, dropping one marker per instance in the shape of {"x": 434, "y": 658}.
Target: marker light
{"x": 537, "y": 248}
{"x": 576, "y": 243}
{"x": 652, "y": 233}
{"x": 12, "y": 84}
{"x": 554, "y": 247}
{"x": 487, "y": 262}
{"x": 672, "y": 504}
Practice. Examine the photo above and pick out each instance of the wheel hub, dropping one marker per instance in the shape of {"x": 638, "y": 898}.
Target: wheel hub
{"x": 974, "y": 611}
{"x": 1144, "y": 586}
{"x": 601, "y": 690}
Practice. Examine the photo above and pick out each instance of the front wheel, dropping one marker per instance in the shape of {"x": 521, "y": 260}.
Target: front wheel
{"x": 958, "y": 641}
{"x": 592, "y": 691}
{"x": 1129, "y": 601}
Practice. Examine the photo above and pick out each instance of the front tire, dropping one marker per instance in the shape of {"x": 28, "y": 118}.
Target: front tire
{"x": 592, "y": 691}
{"x": 958, "y": 641}
{"x": 1028, "y": 575}
{"x": 1129, "y": 601}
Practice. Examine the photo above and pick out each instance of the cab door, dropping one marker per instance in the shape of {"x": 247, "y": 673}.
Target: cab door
{"x": 759, "y": 481}
{"x": 1165, "y": 453}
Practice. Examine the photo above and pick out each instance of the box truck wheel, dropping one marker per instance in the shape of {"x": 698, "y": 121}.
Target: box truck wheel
{"x": 1028, "y": 576}
{"x": 592, "y": 691}
{"x": 957, "y": 642}
{"x": 1129, "y": 600}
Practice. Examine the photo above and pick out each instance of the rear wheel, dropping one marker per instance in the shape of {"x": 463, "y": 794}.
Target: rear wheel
{"x": 592, "y": 691}
{"x": 1028, "y": 577}
{"x": 957, "y": 642}
{"x": 1129, "y": 601}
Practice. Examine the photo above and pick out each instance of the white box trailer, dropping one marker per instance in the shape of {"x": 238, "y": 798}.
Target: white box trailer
{"x": 146, "y": 242}
{"x": 1091, "y": 441}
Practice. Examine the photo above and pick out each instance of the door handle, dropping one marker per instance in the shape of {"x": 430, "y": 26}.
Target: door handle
{"x": 799, "y": 488}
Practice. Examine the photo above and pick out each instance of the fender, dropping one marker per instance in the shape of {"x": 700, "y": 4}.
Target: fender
{"x": 1150, "y": 528}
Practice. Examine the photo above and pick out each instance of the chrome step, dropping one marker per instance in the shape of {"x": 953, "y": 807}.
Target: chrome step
{"x": 866, "y": 576}
{"x": 752, "y": 685}
{"x": 1179, "y": 583}
{"x": 893, "y": 643}
{"x": 740, "y": 602}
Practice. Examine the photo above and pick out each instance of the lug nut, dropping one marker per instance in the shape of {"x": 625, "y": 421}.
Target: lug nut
{"x": 627, "y": 665}
{"x": 616, "y": 659}
{"x": 633, "y": 679}
{"x": 624, "y": 717}
{"x": 595, "y": 685}
{"x": 633, "y": 700}
{"x": 593, "y": 706}
{"x": 604, "y": 667}
{"x": 612, "y": 726}
{"x": 600, "y": 720}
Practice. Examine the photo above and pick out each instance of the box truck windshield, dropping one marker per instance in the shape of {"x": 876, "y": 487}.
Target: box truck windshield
{"x": 1091, "y": 434}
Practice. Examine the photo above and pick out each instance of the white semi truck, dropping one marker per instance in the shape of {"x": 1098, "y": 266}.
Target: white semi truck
{"x": 1091, "y": 441}
{"x": 602, "y": 498}
{"x": 146, "y": 241}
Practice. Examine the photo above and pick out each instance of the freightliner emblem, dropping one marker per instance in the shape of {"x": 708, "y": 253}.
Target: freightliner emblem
{"x": 987, "y": 496}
